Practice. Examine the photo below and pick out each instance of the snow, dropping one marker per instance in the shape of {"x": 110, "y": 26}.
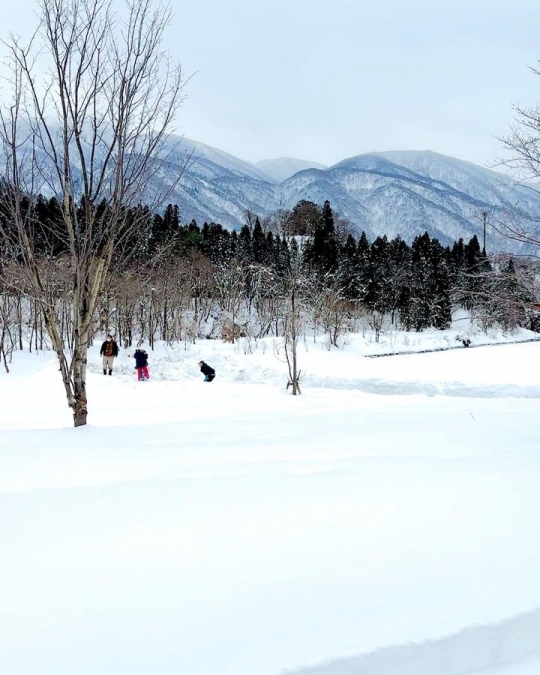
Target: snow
{"x": 280, "y": 169}
{"x": 196, "y": 151}
{"x": 530, "y": 667}
{"x": 506, "y": 648}
{"x": 232, "y": 529}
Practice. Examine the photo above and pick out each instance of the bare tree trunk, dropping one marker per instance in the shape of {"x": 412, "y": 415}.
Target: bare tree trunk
{"x": 292, "y": 330}
{"x": 80, "y": 410}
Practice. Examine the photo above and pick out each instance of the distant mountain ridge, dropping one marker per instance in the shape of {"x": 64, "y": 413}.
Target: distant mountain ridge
{"x": 394, "y": 193}
{"x": 284, "y": 167}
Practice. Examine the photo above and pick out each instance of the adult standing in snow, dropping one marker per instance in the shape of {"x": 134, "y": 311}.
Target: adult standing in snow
{"x": 208, "y": 372}
{"x": 141, "y": 364}
{"x": 109, "y": 349}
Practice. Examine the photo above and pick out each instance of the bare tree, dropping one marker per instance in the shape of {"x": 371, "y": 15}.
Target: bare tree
{"x": 95, "y": 133}
{"x": 332, "y": 309}
{"x": 523, "y": 140}
{"x": 8, "y": 319}
{"x": 522, "y": 144}
{"x": 500, "y": 293}
{"x": 250, "y": 217}
{"x": 229, "y": 280}
{"x": 293, "y": 322}
{"x": 277, "y": 222}
{"x": 343, "y": 227}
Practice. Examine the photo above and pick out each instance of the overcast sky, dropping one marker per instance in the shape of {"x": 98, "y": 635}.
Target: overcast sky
{"x": 328, "y": 79}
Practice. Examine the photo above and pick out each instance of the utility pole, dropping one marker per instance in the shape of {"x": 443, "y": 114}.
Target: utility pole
{"x": 484, "y": 215}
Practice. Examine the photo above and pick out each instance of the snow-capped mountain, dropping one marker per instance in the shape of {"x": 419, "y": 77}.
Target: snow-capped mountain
{"x": 214, "y": 186}
{"x": 284, "y": 167}
{"x": 390, "y": 193}
{"x": 198, "y": 153}
{"x": 445, "y": 196}
{"x": 393, "y": 193}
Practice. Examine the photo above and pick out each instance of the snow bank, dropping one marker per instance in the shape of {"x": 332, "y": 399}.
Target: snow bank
{"x": 232, "y": 529}
{"x": 497, "y": 371}
{"x": 472, "y": 651}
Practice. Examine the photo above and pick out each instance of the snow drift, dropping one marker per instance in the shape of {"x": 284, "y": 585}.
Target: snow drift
{"x": 474, "y": 650}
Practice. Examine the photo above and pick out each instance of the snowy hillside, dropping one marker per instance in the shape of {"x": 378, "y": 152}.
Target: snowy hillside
{"x": 392, "y": 193}
{"x": 215, "y": 186}
{"x": 285, "y": 167}
{"x": 383, "y": 523}
{"x": 199, "y": 153}
{"x": 440, "y": 194}
{"x": 389, "y": 193}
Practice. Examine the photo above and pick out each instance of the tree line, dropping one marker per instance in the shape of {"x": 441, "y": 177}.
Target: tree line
{"x": 179, "y": 282}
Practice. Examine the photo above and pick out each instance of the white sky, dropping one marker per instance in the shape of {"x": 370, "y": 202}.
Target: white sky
{"x": 328, "y": 79}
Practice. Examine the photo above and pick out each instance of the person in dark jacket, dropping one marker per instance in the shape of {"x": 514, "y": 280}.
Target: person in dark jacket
{"x": 109, "y": 349}
{"x": 208, "y": 372}
{"x": 141, "y": 364}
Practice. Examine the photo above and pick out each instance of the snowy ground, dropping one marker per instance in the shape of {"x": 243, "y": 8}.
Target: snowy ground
{"x": 231, "y": 529}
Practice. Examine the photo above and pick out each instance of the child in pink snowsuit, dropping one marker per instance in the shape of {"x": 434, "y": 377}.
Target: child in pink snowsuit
{"x": 141, "y": 364}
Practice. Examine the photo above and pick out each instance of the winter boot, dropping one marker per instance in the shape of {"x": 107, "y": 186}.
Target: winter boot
{"x": 110, "y": 372}
{"x": 104, "y": 371}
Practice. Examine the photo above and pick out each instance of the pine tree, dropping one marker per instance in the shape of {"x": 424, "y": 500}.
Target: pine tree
{"x": 258, "y": 243}
{"x": 421, "y": 279}
{"x": 349, "y": 269}
{"x": 472, "y": 278}
{"x": 171, "y": 219}
{"x": 321, "y": 252}
{"x": 378, "y": 296}
{"x": 439, "y": 286}
{"x": 245, "y": 246}
{"x": 363, "y": 257}
{"x": 399, "y": 270}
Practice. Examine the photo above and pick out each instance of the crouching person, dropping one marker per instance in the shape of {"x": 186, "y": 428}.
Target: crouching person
{"x": 141, "y": 364}
{"x": 208, "y": 372}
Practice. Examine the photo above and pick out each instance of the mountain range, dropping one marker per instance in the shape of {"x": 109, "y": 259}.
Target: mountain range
{"x": 394, "y": 193}
{"x": 401, "y": 193}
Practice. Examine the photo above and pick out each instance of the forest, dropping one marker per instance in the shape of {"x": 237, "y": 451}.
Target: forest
{"x": 179, "y": 282}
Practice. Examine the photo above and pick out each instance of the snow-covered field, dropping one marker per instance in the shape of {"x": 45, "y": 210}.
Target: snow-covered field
{"x": 386, "y": 522}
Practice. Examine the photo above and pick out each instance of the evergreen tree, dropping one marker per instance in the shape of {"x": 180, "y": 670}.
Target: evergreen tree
{"x": 439, "y": 286}
{"x": 321, "y": 253}
{"x": 349, "y": 268}
{"x": 378, "y": 296}
{"x": 258, "y": 243}
{"x": 363, "y": 258}
{"x": 399, "y": 271}
{"x": 304, "y": 219}
{"x": 473, "y": 276}
{"x": 193, "y": 238}
{"x": 421, "y": 279}
{"x": 269, "y": 247}
{"x": 171, "y": 219}
{"x": 245, "y": 247}
{"x": 328, "y": 220}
